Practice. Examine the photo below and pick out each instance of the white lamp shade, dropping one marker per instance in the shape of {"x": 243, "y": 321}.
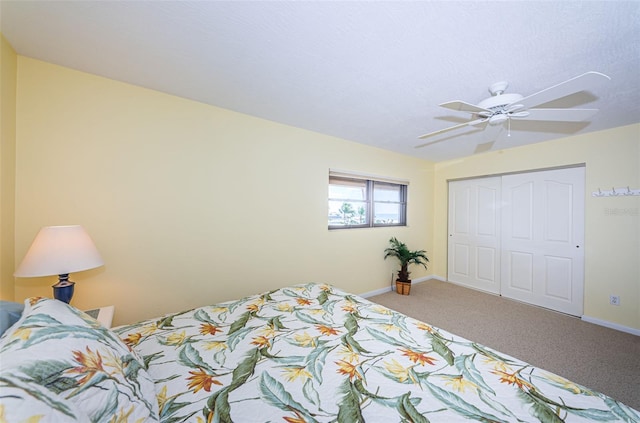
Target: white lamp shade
{"x": 58, "y": 250}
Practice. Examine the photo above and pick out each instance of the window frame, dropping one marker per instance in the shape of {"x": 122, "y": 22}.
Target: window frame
{"x": 369, "y": 199}
{"x": 402, "y": 203}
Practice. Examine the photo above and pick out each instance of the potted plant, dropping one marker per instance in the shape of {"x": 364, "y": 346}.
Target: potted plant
{"x": 406, "y": 257}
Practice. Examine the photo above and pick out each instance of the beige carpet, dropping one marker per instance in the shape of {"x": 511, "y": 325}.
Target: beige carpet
{"x": 599, "y": 358}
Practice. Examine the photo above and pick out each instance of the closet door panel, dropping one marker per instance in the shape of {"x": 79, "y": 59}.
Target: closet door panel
{"x": 543, "y": 220}
{"x": 474, "y": 234}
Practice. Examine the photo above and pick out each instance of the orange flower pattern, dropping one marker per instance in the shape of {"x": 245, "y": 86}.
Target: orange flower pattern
{"x": 90, "y": 364}
{"x": 346, "y": 368}
{"x": 209, "y": 329}
{"x": 418, "y": 357}
{"x": 327, "y": 330}
{"x": 513, "y": 379}
{"x": 132, "y": 339}
{"x": 199, "y": 379}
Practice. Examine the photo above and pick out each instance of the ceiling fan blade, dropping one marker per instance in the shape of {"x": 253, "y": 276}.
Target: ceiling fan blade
{"x": 560, "y": 115}
{"x": 490, "y": 139}
{"x": 483, "y": 148}
{"x": 451, "y": 128}
{"x": 563, "y": 89}
{"x": 463, "y": 106}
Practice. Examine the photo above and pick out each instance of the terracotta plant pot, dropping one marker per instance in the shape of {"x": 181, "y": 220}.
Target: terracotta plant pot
{"x": 403, "y": 288}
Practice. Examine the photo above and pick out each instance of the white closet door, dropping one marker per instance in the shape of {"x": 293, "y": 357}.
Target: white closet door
{"x": 543, "y": 238}
{"x": 474, "y": 243}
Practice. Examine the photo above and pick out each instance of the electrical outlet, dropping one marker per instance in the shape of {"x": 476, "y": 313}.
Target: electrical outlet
{"x": 614, "y": 300}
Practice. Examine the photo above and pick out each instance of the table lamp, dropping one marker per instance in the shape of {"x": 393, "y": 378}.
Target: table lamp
{"x": 60, "y": 250}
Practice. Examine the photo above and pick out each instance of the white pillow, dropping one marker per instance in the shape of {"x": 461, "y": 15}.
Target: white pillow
{"x": 28, "y": 402}
{"x": 56, "y": 355}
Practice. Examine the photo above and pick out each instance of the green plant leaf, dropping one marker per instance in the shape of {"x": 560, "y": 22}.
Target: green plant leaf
{"x": 539, "y": 409}
{"x": 328, "y": 307}
{"x": 245, "y": 369}
{"x": 308, "y": 319}
{"x": 233, "y": 305}
{"x": 348, "y": 340}
{"x": 240, "y": 322}
{"x": 275, "y": 323}
{"x": 190, "y": 357}
{"x": 622, "y": 411}
{"x": 221, "y": 408}
{"x": 442, "y": 350}
{"x": 351, "y": 324}
{"x": 316, "y": 360}
{"x": 389, "y": 402}
{"x": 399, "y": 320}
{"x": 290, "y": 293}
{"x": 381, "y": 336}
{"x": 203, "y": 316}
{"x": 50, "y": 373}
{"x": 167, "y": 321}
{"x": 496, "y": 405}
{"x": 62, "y": 331}
{"x": 218, "y": 403}
{"x": 109, "y": 407}
{"x": 490, "y": 353}
{"x": 171, "y": 407}
{"x": 28, "y": 387}
{"x": 408, "y": 411}
{"x": 266, "y": 297}
{"x": 454, "y": 402}
{"x": 468, "y": 369}
{"x": 274, "y": 393}
{"x": 220, "y": 357}
{"x": 237, "y": 336}
{"x": 97, "y": 379}
{"x": 323, "y": 297}
{"x": 311, "y": 393}
{"x": 150, "y": 358}
{"x": 349, "y": 407}
{"x": 596, "y": 415}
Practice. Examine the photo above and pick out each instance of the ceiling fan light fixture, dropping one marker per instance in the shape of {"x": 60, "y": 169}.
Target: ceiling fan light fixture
{"x": 498, "y": 119}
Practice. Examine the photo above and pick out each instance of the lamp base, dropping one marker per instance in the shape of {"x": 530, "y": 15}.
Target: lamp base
{"x": 63, "y": 290}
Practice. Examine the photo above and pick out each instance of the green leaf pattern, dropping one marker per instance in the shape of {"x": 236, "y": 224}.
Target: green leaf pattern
{"x": 313, "y": 353}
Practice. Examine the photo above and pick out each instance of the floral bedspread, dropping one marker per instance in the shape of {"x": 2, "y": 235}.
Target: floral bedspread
{"x": 313, "y": 353}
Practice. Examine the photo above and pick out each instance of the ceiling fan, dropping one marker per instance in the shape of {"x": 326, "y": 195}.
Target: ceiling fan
{"x": 502, "y": 107}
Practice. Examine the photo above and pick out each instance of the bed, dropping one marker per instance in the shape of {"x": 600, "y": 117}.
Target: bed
{"x": 305, "y": 353}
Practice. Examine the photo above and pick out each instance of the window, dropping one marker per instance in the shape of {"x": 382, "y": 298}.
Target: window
{"x": 358, "y": 201}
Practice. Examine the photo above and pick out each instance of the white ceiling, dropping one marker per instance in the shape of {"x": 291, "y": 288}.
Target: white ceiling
{"x": 369, "y": 72}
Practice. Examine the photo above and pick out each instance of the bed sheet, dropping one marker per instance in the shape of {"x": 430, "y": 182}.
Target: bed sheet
{"x": 314, "y": 353}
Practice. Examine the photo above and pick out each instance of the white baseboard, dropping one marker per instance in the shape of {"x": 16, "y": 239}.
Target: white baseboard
{"x": 393, "y": 288}
{"x": 611, "y": 325}
{"x": 376, "y": 292}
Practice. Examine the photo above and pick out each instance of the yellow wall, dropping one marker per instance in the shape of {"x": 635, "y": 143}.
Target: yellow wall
{"x": 8, "y": 74}
{"x": 612, "y": 226}
{"x": 191, "y": 204}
